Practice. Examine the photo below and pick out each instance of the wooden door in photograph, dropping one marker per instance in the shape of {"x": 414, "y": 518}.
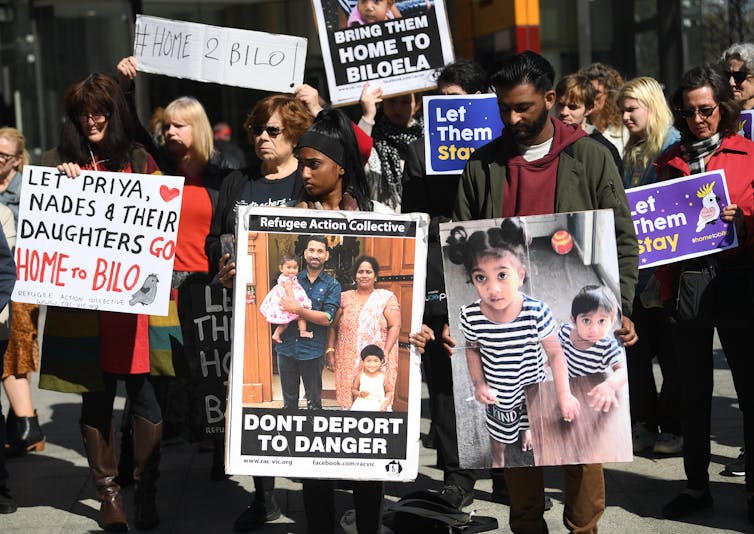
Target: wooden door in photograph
{"x": 257, "y": 360}
{"x": 396, "y": 259}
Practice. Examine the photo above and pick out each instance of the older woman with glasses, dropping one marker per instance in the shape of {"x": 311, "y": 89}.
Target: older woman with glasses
{"x": 274, "y": 127}
{"x": 706, "y": 114}
{"x": 737, "y": 63}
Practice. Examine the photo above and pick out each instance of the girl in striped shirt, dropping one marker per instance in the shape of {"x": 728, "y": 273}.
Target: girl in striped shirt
{"x": 507, "y": 333}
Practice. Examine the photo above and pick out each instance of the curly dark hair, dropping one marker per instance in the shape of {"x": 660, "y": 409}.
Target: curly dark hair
{"x": 697, "y": 78}
{"x": 467, "y": 250}
{"x": 97, "y": 93}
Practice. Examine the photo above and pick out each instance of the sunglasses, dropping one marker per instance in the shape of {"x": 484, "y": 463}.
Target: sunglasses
{"x": 97, "y": 117}
{"x": 272, "y": 131}
{"x": 740, "y": 76}
{"x": 5, "y": 157}
{"x": 690, "y": 113}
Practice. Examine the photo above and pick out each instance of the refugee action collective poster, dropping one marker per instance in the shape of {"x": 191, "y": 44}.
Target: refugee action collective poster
{"x": 539, "y": 377}
{"x": 100, "y": 241}
{"x": 312, "y": 399}
{"x": 400, "y": 48}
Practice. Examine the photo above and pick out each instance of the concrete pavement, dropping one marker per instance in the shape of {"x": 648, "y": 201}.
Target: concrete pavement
{"x": 56, "y": 495}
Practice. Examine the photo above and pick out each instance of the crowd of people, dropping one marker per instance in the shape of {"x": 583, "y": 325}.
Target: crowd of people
{"x": 568, "y": 145}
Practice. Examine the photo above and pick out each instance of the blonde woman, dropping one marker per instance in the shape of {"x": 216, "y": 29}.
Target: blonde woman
{"x": 648, "y": 118}
{"x": 22, "y": 356}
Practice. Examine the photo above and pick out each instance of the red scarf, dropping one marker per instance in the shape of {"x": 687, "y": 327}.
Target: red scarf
{"x": 530, "y": 185}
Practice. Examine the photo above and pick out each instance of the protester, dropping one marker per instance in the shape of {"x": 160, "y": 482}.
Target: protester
{"x": 606, "y": 116}
{"x": 367, "y": 315}
{"x": 649, "y": 120}
{"x": 232, "y": 153}
{"x": 706, "y": 113}
{"x": 333, "y": 175}
{"x": 7, "y": 280}
{"x": 22, "y": 351}
{"x": 274, "y": 126}
{"x": 738, "y": 68}
{"x": 97, "y": 134}
{"x": 574, "y": 103}
{"x": 573, "y": 174}
{"x": 397, "y": 126}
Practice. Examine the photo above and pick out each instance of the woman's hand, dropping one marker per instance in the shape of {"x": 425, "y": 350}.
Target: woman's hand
{"x": 330, "y": 361}
{"x": 310, "y": 97}
{"x": 72, "y": 170}
{"x": 627, "y": 333}
{"x": 369, "y": 100}
{"x": 227, "y": 272}
{"x": 734, "y": 214}
{"x": 602, "y": 398}
{"x": 126, "y": 72}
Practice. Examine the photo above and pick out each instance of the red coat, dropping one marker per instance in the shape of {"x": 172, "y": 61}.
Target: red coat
{"x": 736, "y": 157}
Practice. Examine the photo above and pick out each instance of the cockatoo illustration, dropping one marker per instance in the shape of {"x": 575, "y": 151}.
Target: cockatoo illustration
{"x": 147, "y": 293}
{"x": 710, "y": 210}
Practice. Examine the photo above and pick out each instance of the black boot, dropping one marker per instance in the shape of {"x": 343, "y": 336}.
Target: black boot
{"x": 23, "y": 435}
{"x": 147, "y": 438}
{"x": 263, "y": 508}
{"x": 100, "y": 452}
{"x": 126, "y": 460}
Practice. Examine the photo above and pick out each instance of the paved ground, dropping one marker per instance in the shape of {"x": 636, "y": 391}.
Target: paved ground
{"x": 56, "y": 494}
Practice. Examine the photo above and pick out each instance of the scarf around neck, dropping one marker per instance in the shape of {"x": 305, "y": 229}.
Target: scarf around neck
{"x": 694, "y": 152}
{"x": 391, "y": 144}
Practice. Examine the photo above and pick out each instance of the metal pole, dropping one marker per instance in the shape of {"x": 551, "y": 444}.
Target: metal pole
{"x": 585, "y": 32}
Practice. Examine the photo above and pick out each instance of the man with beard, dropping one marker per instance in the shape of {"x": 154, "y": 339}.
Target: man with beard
{"x": 538, "y": 166}
{"x": 300, "y": 358}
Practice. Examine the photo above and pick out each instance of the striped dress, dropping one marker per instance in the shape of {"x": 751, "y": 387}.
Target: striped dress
{"x": 512, "y": 358}
{"x": 598, "y": 358}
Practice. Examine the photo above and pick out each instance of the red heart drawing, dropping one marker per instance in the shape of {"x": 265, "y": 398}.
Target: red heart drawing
{"x": 168, "y": 194}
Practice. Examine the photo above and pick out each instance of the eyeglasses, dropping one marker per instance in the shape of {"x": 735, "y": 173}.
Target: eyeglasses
{"x": 739, "y": 76}
{"x": 690, "y": 113}
{"x": 5, "y": 157}
{"x": 272, "y": 131}
{"x": 97, "y": 117}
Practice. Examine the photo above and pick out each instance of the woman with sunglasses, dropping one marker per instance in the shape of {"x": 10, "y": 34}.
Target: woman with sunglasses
{"x": 98, "y": 134}
{"x": 274, "y": 127}
{"x": 738, "y": 68}
{"x": 706, "y": 114}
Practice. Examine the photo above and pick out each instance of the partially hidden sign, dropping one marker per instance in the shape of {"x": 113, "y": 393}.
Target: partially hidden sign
{"x": 455, "y": 126}
{"x": 680, "y": 218}
{"x": 228, "y": 56}
{"x": 746, "y": 124}
{"x": 101, "y": 241}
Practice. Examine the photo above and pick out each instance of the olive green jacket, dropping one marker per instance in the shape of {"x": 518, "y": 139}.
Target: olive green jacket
{"x": 586, "y": 180}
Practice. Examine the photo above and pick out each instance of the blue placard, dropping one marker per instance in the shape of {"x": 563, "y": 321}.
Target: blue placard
{"x": 746, "y": 124}
{"x": 455, "y": 126}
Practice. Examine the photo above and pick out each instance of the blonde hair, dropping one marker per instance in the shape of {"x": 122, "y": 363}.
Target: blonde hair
{"x": 11, "y": 134}
{"x": 191, "y": 110}
{"x": 644, "y": 148}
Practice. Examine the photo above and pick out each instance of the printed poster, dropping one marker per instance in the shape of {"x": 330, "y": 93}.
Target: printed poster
{"x": 400, "y": 48}
{"x": 313, "y": 399}
{"x": 680, "y": 219}
{"x": 101, "y": 241}
{"x": 455, "y": 126}
{"x": 746, "y": 124}
{"x": 514, "y": 286}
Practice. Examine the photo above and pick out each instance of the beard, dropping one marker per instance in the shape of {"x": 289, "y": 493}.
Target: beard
{"x": 525, "y": 132}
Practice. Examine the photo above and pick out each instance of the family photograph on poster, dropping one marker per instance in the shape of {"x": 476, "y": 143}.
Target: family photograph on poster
{"x": 397, "y": 45}
{"x": 539, "y": 376}
{"x": 322, "y": 374}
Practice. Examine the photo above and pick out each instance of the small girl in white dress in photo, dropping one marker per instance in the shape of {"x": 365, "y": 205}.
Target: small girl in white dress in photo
{"x": 370, "y": 392}
{"x": 287, "y": 285}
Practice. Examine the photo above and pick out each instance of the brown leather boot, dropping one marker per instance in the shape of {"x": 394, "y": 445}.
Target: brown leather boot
{"x": 147, "y": 438}
{"x": 100, "y": 453}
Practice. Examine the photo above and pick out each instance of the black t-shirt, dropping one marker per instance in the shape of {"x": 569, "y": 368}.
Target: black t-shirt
{"x": 264, "y": 192}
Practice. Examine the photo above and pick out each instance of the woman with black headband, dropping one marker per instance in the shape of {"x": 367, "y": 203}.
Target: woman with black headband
{"x": 333, "y": 175}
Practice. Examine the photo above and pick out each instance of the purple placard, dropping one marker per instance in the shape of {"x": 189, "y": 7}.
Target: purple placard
{"x": 680, "y": 218}
{"x": 746, "y": 124}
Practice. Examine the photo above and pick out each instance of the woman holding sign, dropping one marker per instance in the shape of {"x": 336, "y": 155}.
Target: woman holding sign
{"x": 97, "y": 135}
{"x": 706, "y": 114}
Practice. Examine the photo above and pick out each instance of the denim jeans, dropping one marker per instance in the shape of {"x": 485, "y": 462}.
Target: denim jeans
{"x": 292, "y": 373}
